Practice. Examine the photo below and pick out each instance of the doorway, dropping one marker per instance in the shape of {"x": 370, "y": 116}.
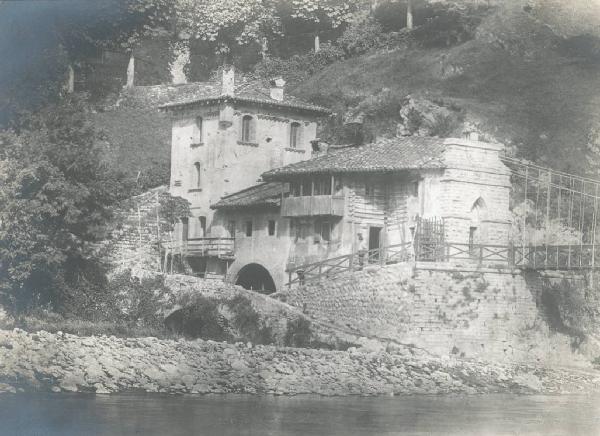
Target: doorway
{"x": 374, "y": 243}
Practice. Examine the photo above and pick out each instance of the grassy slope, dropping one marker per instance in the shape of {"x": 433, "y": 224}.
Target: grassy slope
{"x": 512, "y": 78}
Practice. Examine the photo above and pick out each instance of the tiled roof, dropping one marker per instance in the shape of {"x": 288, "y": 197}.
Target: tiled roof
{"x": 265, "y": 194}
{"x": 251, "y": 92}
{"x": 385, "y": 155}
{"x": 157, "y": 95}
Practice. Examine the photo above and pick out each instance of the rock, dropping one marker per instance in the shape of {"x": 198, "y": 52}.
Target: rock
{"x": 529, "y": 381}
{"x": 6, "y": 388}
{"x": 239, "y": 365}
{"x": 101, "y": 389}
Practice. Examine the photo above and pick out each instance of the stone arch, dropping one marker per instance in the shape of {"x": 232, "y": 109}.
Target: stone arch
{"x": 256, "y": 277}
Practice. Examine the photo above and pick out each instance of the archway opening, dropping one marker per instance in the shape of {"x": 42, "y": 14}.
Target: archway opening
{"x": 255, "y": 277}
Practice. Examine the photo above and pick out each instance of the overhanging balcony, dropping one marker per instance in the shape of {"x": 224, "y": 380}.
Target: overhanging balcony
{"x": 223, "y": 248}
{"x": 313, "y": 205}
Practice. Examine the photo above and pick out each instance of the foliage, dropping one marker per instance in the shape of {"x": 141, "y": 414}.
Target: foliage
{"x": 445, "y": 25}
{"x": 298, "y": 67}
{"x": 442, "y": 125}
{"x": 298, "y": 333}
{"x": 571, "y": 309}
{"x": 538, "y": 231}
{"x": 122, "y": 298}
{"x": 247, "y": 321}
{"x": 55, "y": 200}
{"x": 171, "y": 210}
{"x": 202, "y": 319}
{"x": 361, "y": 37}
{"x": 229, "y": 320}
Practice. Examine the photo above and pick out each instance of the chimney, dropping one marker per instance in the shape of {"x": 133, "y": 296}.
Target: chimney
{"x": 277, "y": 89}
{"x": 228, "y": 82}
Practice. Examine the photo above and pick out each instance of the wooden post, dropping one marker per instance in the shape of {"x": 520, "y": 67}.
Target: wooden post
{"x": 158, "y": 230}
{"x": 524, "y": 230}
{"x": 548, "y": 214}
{"x": 317, "y": 43}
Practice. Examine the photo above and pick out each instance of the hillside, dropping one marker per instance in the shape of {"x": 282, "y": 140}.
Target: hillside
{"x": 517, "y": 81}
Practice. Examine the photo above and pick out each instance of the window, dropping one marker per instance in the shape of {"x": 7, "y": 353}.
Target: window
{"x": 322, "y": 186}
{"x": 322, "y": 231}
{"x": 271, "y": 227}
{"x": 414, "y": 189}
{"x": 198, "y": 174}
{"x": 248, "y": 228}
{"x": 198, "y": 132}
{"x": 231, "y": 229}
{"x": 306, "y": 188}
{"x": 202, "y": 220}
{"x": 369, "y": 190}
{"x": 337, "y": 186}
{"x": 247, "y": 129}
{"x": 294, "y": 135}
{"x": 295, "y": 189}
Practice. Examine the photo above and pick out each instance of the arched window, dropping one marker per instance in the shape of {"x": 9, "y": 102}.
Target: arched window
{"x": 247, "y": 129}
{"x": 475, "y": 231}
{"x": 198, "y": 132}
{"x": 295, "y": 135}
{"x": 198, "y": 174}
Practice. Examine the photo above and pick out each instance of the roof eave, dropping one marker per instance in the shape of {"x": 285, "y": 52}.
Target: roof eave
{"x": 227, "y": 98}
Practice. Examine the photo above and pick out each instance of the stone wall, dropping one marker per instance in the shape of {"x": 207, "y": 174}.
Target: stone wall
{"x": 447, "y": 310}
{"x": 134, "y": 241}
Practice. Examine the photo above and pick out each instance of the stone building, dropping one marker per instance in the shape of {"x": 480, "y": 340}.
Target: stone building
{"x": 222, "y": 141}
{"x": 315, "y": 209}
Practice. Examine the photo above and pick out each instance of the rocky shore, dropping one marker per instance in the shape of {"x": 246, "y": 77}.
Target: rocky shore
{"x": 66, "y": 363}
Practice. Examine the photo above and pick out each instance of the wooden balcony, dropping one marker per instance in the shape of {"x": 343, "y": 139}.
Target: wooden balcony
{"x": 312, "y": 206}
{"x": 223, "y": 248}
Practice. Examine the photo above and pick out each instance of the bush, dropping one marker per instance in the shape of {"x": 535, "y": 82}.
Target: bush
{"x": 247, "y": 321}
{"x": 298, "y": 67}
{"x": 361, "y": 37}
{"x": 202, "y": 319}
{"x": 445, "y": 25}
{"x": 298, "y": 333}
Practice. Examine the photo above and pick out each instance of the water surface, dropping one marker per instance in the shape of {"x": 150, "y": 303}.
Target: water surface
{"x": 152, "y": 414}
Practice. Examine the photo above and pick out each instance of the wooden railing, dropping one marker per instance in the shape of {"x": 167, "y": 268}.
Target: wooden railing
{"x": 542, "y": 257}
{"x": 209, "y": 247}
{"x": 329, "y": 268}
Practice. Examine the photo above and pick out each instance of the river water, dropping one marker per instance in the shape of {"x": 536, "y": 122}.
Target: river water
{"x": 144, "y": 414}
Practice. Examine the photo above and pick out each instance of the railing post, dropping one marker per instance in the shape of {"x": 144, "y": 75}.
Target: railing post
{"x": 480, "y": 255}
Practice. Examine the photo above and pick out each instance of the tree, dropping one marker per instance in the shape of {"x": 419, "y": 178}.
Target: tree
{"x": 55, "y": 202}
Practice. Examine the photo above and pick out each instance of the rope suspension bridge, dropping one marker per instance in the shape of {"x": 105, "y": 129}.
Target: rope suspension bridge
{"x": 554, "y": 227}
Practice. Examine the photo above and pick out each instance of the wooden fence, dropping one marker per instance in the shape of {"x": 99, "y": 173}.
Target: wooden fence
{"x": 543, "y": 257}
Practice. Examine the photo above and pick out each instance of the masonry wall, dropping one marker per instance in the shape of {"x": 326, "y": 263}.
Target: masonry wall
{"x": 227, "y": 164}
{"x": 475, "y": 193}
{"x": 446, "y": 310}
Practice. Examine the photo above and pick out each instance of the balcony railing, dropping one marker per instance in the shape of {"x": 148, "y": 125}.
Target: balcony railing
{"x": 312, "y": 205}
{"x": 222, "y": 248}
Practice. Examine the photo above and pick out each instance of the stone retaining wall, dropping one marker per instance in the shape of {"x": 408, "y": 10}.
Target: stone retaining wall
{"x": 445, "y": 309}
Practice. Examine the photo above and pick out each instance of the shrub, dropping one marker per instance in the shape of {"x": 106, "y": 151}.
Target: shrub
{"x": 361, "y": 37}
{"x": 445, "y": 25}
{"x": 202, "y": 319}
{"x": 298, "y": 333}
{"x": 247, "y": 321}
{"x": 298, "y": 67}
